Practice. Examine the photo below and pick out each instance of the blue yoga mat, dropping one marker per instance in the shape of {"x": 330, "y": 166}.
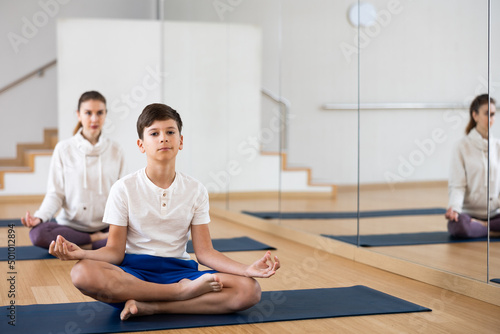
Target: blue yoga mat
{"x": 7, "y": 222}
{"x": 222, "y": 245}
{"x": 96, "y": 317}
{"x": 403, "y": 239}
{"x": 345, "y": 215}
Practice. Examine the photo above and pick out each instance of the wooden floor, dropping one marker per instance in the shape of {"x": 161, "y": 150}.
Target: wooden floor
{"x": 466, "y": 259}
{"x": 47, "y": 281}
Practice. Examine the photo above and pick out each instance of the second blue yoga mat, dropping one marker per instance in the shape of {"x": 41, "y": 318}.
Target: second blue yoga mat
{"x": 7, "y": 222}
{"x": 403, "y": 239}
{"x": 345, "y": 215}
{"x": 96, "y": 317}
{"x": 222, "y": 245}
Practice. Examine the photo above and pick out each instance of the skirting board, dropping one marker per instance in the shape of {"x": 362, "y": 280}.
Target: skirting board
{"x": 19, "y": 199}
{"x": 394, "y": 186}
{"x": 483, "y": 291}
{"x": 272, "y": 194}
{"x": 327, "y": 195}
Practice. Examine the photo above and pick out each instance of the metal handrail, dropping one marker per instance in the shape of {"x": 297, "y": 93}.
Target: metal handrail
{"x": 284, "y": 116}
{"x": 39, "y": 71}
{"x": 354, "y": 106}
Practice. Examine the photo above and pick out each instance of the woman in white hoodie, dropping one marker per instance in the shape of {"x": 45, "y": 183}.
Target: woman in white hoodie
{"x": 82, "y": 170}
{"x": 467, "y": 188}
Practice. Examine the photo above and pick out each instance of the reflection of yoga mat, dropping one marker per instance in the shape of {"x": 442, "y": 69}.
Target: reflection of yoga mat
{"x": 235, "y": 245}
{"x": 403, "y": 239}
{"x": 7, "y": 222}
{"x": 495, "y": 280}
{"x": 96, "y": 317}
{"x": 345, "y": 215}
{"x": 222, "y": 245}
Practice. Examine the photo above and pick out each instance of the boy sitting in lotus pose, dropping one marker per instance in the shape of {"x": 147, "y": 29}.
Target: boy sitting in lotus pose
{"x": 144, "y": 265}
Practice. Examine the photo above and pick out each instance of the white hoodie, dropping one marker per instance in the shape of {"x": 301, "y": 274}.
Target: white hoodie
{"x": 80, "y": 177}
{"x": 467, "y": 186}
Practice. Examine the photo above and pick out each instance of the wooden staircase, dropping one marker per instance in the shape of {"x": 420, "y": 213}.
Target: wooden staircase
{"x": 285, "y": 167}
{"x": 24, "y": 162}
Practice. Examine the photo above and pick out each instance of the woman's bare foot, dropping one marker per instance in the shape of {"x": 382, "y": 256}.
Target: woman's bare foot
{"x": 485, "y": 224}
{"x": 96, "y": 236}
{"x": 134, "y": 308}
{"x": 201, "y": 285}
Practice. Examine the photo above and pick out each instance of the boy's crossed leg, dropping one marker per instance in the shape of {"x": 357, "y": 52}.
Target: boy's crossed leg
{"x": 238, "y": 293}
{"x": 110, "y": 284}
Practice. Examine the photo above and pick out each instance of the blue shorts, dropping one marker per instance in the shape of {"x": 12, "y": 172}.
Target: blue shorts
{"x": 161, "y": 270}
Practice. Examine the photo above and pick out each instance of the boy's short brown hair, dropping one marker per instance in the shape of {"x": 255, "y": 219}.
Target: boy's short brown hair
{"x": 157, "y": 112}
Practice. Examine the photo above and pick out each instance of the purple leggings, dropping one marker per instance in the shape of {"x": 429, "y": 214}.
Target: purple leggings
{"x": 43, "y": 234}
{"x": 465, "y": 228}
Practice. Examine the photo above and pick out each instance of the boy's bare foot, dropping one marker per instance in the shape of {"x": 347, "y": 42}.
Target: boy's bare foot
{"x": 134, "y": 308}
{"x": 189, "y": 289}
{"x": 201, "y": 285}
{"x": 96, "y": 236}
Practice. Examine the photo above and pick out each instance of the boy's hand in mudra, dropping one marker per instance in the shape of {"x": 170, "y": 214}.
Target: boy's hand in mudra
{"x": 65, "y": 250}
{"x": 265, "y": 267}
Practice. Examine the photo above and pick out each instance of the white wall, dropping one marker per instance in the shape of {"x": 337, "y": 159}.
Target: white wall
{"x": 26, "y": 110}
{"x": 28, "y": 30}
{"x": 128, "y": 75}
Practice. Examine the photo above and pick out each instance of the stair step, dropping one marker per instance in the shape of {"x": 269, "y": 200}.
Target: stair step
{"x": 24, "y": 162}
{"x": 286, "y": 167}
{"x": 15, "y": 169}
{"x": 49, "y": 142}
{"x": 39, "y": 152}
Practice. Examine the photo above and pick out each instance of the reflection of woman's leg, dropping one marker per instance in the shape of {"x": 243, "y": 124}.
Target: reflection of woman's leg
{"x": 99, "y": 243}
{"x": 43, "y": 234}
{"x": 465, "y": 227}
{"x": 495, "y": 223}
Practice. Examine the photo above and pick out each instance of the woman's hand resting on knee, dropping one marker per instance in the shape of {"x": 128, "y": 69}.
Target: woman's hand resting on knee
{"x": 451, "y": 215}
{"x": 30, "y": 221}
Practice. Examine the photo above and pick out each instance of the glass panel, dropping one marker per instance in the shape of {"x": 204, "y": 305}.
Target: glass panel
{"x": 421, "y": 65}
{"x": 196, "y": 85}
{"x": 256, "y": 149}
{"x": 242, "y": 171}
{"x": 494, "y": 247}
{"x": 319, "y": 67}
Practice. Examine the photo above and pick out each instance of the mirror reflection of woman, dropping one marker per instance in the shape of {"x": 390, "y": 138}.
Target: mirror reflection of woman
{"x": 467, "y": 187}
{"x": 82, "y": 170}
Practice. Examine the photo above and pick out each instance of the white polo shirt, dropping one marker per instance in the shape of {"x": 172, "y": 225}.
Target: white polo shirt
{"x": 159, "y": 220}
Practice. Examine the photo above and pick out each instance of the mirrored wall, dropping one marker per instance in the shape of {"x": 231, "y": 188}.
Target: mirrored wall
{"x": 494, "y": 90}
{"x": 241, "y": 47}
{"x": 421, "y": 72}
{"x": 341, "y": 118}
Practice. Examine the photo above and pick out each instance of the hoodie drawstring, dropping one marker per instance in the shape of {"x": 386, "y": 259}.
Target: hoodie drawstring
{"x": 100, "y": 175}
{"x": 84, "y": 171}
